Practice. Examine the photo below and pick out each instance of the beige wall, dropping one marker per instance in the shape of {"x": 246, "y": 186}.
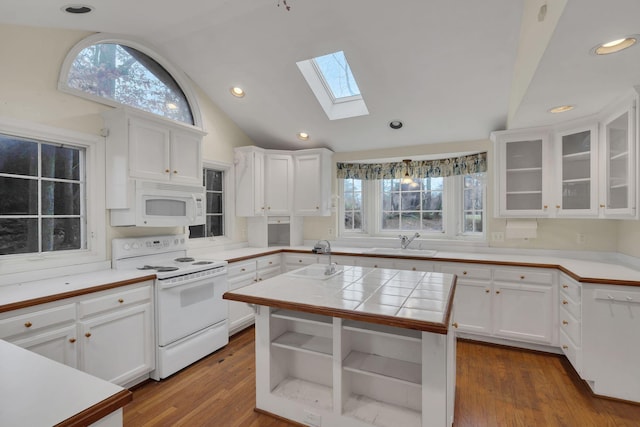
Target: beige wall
{"x": 30, "y": 66}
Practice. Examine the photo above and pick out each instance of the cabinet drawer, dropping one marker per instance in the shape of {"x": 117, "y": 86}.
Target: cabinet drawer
{"x": 295, "y": 260}
{"x": 570, "y": 326}
{"x": 115, "y": 300}
{"x": 572, "y": 351}
{"x": 240, "y": 268}
{"x": 267, "y": 273}
{"x": 571, "y": 288}
{"x": 524, "y": 276}
{"x": 268, "y": 261}
{"x": 37, "y": 320}
{"x": 571, "y": 306}
{"x": 467, "y": 272}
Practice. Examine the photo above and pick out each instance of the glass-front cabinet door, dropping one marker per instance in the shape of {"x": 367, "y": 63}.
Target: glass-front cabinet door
{"x": 618, "y": 163}
{"x": 576, "y": 184}
{"x": 522, "y": 181}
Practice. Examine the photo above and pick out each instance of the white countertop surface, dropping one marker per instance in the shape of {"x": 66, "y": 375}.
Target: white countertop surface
{"x": 406, "y": 295}
{"x": 36, "y": 391}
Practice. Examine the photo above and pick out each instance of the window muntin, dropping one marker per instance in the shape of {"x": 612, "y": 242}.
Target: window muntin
{"x": 213, "y": 180}
{"x": 42, "y": 186}
{"x": 415, "y": 205}
{"x": 337, "y": 76}
{"x": 127, "y": 76}
{"x": 352, "y": 193}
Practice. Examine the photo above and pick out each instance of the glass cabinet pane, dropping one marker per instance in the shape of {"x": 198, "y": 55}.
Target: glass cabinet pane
{"x": 524, "y": 175}
{"x": 576, "y": 170}
{"x": 617, "y": 132}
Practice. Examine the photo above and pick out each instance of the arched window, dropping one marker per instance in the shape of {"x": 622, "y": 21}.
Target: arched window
{"x": 122, "y": 72}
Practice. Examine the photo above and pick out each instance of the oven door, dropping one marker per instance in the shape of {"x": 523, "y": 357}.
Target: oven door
{"x": 187, "y": 304}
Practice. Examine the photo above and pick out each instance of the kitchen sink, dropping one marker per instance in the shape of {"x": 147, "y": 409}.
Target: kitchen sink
{"x": 405, "y": 252}
{"x": 314, "y": 271}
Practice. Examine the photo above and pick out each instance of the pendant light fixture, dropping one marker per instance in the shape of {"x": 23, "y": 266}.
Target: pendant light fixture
{"x": 407, "y": 180}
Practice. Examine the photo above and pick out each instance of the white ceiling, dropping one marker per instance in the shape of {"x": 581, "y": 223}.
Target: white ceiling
{"x": 443, "y": 67}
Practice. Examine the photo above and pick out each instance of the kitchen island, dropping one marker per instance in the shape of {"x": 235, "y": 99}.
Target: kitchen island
{"x": 357, "y": 347}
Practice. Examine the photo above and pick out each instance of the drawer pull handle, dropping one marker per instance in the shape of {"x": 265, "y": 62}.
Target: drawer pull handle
{"x": 28, "y": 324}
{"x": 413, "y": 268}
{"x": 521, "y": 277}
{"x": 72, "y": 340}
{"x": 317, "y": 207}
{"x": 487, "y": 291}
{"x": 375, "y": 266}
{"x": 497, "y": 292}
{"x": 270, "y": 262}
{"x": 464, "y": 273}
{"x": 175, "y": 171}
{"x": 546, "y": 206}
{"x": 565, "y": 347}
{"x": 243, "y": 269}
{"x": 565, "y": 286}
{"x": 299, "y": 260}
{"x": 167, "y": 170}
{"x": 565, "y": 302}
{"x": 557, "y": 206}
{"x": 88, "y": 334}
{"x": 455, "y": 325}
{"x": 601, "y": 205}
{"x": 260, "y": 279}
{"x": 564, "y": 322}
{"x": 120, "y": 300}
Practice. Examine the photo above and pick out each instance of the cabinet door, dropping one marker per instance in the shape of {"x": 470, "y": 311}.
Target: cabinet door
{"x": 149, "y": 150}
{"x": 576, "y": 190}
{"x": 523, "y": 312}
{"x": 249, "y": 174}
{"x": 59, "y": 345}
{"x": 473, "y": 306}
{"x": 310, "y": 194}
{"x": 618, "y": 163}
{"x": 186, "y": 157}
{"x": 241, "y": 314}
{"x": 278, "y": 184}
{"x": 522, "y": 188}
{"x": 118, "y": 347}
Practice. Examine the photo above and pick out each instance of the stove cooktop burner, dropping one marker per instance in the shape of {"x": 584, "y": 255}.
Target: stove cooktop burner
{"x": 185, "y": 259}
{"x": 203, "y": 262}
{"x": 158, "y": 268}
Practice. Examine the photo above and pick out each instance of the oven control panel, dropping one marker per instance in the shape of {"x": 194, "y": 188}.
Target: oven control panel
{"x": 139, "y": 246}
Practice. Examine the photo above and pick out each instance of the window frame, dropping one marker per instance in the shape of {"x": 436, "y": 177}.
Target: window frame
{"x": 31, "y": 266}
{"x": 452, "y": 220}
{"x": 228, "y": 203}
{"x": 179, "y": 76}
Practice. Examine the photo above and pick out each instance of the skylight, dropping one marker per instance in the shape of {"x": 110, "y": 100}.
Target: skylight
{"x": 336, "y": 74}
{"x": 332, "y": 82}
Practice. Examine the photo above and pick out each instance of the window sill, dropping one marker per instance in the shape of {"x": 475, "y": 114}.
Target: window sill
{"x": 421, "y": 243}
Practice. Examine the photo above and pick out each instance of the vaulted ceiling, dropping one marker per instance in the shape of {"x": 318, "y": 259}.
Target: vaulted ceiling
{"x": 450, "y": 70}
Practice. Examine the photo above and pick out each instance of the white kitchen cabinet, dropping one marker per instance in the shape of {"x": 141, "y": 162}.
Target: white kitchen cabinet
{"x": 375, "y": 262}
{"x": 59, "y": 345}
{"x": 610, "y": 344}
{"x": 312, "y": 182}
{"x": 523, "y": 159}
{"x": 473, "y": 298}
{"x": 142, "y": 146}
{"x": 243, "y": 273}
{"x": 116, "y": 334}
{"x": 249, "y": 176}
{"x": 576, "y": 182}
{"x": 618, "y": 161}
{"x": 278, "y": 183}
{"x": 293, "y": 261}
{"x": 570, "y": 320}
{"x": 524, "y": 307}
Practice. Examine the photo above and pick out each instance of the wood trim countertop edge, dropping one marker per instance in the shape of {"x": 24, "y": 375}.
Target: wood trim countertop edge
{"x": 99, "y": 410}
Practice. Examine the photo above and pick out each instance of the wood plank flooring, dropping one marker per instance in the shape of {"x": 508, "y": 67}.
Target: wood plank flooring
{"x": 496, "y": 386}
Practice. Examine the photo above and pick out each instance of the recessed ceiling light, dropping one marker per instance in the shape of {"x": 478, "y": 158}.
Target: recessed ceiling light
{"x": 77, "y": 9}
{"x": 561, "y": 109}
{"x": 615, "y": 45}
{"x": 303, "y": 136}
{"x": 237, "y": 92}
{"x": 395, "y": 124}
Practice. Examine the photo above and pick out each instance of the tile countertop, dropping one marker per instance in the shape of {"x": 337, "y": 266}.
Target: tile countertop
{"x": 410, "y": 299}
{"x": 36, "y": 391}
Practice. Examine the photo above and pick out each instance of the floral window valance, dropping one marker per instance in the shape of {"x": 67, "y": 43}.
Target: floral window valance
{"x": 462, "y": 165}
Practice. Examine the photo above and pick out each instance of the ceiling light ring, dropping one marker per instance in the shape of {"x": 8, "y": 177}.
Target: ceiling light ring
{"x": 615, "y": 46}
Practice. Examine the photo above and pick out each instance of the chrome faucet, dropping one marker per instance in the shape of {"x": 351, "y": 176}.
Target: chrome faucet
{"x": 406, "y": 241}
{"x": 320, "y": 248}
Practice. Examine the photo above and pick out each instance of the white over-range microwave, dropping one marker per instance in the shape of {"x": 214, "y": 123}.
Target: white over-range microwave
{"x": 159, "y": 204}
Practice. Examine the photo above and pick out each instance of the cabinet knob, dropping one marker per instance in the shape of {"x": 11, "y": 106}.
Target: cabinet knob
{"x": 521, "y": 277}
{"x": 255, "y": 280}
{"x": 270, "y": 262}
{"x": 175, "y": 172}
{"x": 464, "y": 273}
{"x": 317, "y": 207}
{"x": 602, "y": 205}
{"x": 455, "y": 325}
{"x": 242, "y": 269}
{"x": 413, "y": 268}
{"x": 486, "y": 291}
{"x": 565, "y": 302}
{"x": 72, "y": 340}
{"x": 167, "y": 170}
{"x": 28, "y": 324}
{"x": 546, "y": 206}
{"x": 259, "y": 279}
{"x": 88, "y": 334}
{"x": 268, "y": 208}
{"x": 299, "y": 260}
{"x": 565, "y": 286}
{"x": 375, "y": 266}
{"x": 564, "y": 322}
{"x": 565, "y": 347}
{"x": 120, "y": 300}
{"x": 557, "y": 206}
{"x": 497, "y": 292}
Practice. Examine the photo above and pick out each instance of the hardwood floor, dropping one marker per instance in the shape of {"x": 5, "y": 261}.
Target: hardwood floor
{"x": 496, "y": 386}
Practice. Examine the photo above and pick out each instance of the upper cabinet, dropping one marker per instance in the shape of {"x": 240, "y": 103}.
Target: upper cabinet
{"x": 141, "y": 146}
{"x": 312, "y": 182}
{"x": 582, "y": 169}
{"x": 277, "y": 183}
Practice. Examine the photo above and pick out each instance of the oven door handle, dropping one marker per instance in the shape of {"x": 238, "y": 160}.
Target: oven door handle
{"x": 188, "y": 282}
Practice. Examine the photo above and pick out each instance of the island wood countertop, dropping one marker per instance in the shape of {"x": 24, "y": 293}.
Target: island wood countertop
{"x": 406, "y": 299}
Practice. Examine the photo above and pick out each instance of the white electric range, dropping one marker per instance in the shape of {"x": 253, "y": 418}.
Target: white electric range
{"x": 190, "y": 314}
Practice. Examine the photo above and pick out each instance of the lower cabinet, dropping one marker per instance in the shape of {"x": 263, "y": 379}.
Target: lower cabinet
{"x": 109, "y": 334}
{"x": 321, "y": 370}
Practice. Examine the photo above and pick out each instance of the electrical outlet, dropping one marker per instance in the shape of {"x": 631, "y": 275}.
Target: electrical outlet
{"x": 581, "y": 239}
{"x": 311, "y": 419}
{"x": 497, "y": 236}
